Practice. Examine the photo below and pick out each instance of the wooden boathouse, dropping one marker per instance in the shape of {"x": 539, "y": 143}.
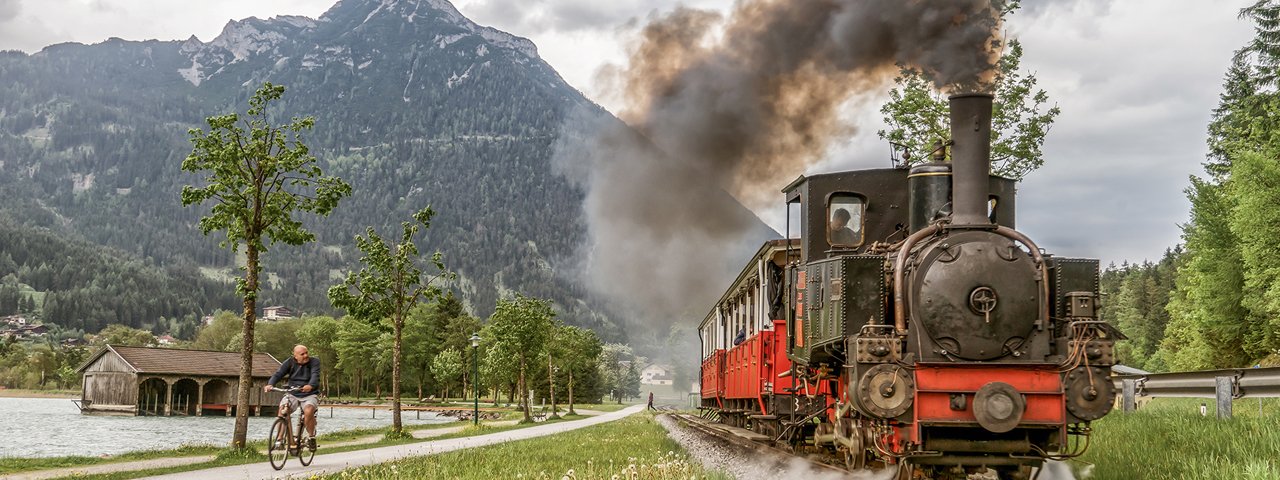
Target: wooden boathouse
{"x": 122, "y": 380}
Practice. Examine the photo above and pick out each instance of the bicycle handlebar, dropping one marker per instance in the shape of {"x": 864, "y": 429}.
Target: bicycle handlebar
{"x": 285, "y": 390}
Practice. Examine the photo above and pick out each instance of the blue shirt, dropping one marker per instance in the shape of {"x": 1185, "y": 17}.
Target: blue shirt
{"x": 299, "y": 375}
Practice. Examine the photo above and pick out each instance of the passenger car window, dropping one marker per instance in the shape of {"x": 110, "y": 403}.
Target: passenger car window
{"x": 844, "y": 220}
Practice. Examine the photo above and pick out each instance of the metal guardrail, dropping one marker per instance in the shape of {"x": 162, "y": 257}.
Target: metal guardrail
{"x": 1223, "y": 385}
{"x": 1244, "y": 383}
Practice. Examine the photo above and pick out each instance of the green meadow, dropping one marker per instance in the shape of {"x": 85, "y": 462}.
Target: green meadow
{"x": 1169, "y": 439}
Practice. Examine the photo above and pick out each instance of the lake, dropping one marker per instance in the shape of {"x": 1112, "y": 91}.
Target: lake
{"x": 46, "y": 427}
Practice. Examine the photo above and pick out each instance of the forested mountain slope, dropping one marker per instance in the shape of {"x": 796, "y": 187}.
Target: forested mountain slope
{"x": 414, "y": 105}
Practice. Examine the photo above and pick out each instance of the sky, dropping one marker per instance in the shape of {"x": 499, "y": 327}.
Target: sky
{"x": 1136, "y": 81}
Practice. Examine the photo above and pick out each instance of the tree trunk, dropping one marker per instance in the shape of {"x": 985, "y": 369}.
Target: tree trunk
{"x": 395, "y": 377}
{"x": 551, "y": 383}
{"x": 571, "y": 412}
{"x": 241, "y": 431}
{"x": 524, "y": 397}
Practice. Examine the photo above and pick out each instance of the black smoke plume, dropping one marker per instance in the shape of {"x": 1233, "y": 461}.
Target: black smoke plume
{"x": 724, "y": 111}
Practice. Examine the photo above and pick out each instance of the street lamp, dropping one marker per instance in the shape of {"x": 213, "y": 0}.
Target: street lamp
{"x": 475, "y": 377}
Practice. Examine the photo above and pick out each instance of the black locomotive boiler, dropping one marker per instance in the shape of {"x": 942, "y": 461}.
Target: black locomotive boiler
{"x": 911, "y": 324}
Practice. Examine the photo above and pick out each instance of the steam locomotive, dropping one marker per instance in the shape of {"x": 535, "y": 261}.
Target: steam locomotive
{"x": 912, "y": 325}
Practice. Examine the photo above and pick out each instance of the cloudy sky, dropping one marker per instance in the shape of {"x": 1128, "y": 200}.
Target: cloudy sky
{"x": 1136, "y": 81}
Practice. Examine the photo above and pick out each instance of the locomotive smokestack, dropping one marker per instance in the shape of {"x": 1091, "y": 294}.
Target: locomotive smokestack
{"x": 970, "y": 158}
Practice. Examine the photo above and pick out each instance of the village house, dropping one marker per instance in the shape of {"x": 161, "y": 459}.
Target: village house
{"x": 24, "y": 332}
{"x": 122, "y": 380}
{"x": 272, "y": 314}
{"x": 656, "y": 375}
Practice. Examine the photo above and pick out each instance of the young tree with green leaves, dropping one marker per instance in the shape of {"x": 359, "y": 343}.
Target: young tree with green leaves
{"x": 356, "y": 344}
{"x": 421, "y": 330}
{"x": 918, "y": 115}
{"x": 388, "y": 287}
{"x": 519, "y": 328}
{"x": 447, "y": 368}
{"x": 612, "y": 363}
{"x": 259, "y": 175}
{"x": 116, "y": 334}
{"x": 581, "y": 347}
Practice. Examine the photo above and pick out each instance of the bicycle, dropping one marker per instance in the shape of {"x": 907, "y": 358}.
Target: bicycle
{"x": 283, "y": 442}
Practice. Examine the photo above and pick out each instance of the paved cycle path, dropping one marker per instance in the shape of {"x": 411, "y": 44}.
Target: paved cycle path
{"x": 336, "y": 462}
{"x": 136, "y": 465}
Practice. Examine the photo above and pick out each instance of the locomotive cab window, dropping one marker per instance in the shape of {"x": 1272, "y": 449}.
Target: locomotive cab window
{"x": 844, "y": 220}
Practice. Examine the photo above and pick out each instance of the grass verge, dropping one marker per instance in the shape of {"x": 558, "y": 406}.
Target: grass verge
{"x": 1169, "y": 439}
{"x": 16, "y": 465}
{"x": 635, "y": 447}
{"x": 599, "y": 407}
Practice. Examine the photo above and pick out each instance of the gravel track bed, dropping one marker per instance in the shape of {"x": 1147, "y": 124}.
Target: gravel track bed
{"x": 743, "y": 464}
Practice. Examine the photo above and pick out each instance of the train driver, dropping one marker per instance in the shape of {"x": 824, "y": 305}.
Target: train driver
{"x": 839, "y": 233}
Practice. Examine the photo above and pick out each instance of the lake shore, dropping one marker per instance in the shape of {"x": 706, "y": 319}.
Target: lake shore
{"x": 21, "y": 393}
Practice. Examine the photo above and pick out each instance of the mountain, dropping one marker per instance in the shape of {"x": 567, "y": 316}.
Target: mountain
{"x": 414, "y": 104}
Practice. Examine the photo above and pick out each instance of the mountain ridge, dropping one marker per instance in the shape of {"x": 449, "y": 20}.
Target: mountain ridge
{"x": 414, "y": 106}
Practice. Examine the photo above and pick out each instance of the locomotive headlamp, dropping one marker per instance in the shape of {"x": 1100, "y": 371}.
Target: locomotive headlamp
{"x": 998, "y": 407}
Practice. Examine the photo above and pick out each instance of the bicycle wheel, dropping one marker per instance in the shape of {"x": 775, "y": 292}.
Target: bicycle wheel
{"x": 278, "y": 443}
{"x": 305, "y": 455}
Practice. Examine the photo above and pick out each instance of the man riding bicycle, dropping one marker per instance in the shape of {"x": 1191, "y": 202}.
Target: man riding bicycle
{"x": 301, "y": 371}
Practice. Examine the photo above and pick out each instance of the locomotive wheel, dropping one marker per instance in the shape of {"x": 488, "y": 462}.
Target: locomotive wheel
{"x": 855, "y": 458}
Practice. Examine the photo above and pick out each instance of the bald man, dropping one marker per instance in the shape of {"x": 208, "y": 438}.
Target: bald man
{"x": 301, "y": 371}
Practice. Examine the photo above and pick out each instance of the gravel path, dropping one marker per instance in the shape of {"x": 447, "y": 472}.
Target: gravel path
{"x": 336, "y": 462}
{"x": 179, "y": 461}
{"x": 108, "y": 468}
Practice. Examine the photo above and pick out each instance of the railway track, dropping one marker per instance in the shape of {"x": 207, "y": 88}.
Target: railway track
{"x": 758, "y": 446}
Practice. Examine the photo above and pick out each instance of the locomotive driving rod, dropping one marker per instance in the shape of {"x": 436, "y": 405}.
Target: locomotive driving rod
{"x": 900, "y": 264}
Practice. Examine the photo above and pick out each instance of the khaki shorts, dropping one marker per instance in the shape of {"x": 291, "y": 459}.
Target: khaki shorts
{"x": 290, "y": 403}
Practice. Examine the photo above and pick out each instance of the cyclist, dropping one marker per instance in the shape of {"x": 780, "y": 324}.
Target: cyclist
{"x": 301, "y": 371}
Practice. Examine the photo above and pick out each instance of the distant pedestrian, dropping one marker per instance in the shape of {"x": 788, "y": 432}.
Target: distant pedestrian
{"x": 651, "y": 401}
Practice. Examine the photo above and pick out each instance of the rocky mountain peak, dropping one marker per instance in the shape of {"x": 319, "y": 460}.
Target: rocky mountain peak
{"x": 352, "y": 34}
{"x": 357, "y": 15}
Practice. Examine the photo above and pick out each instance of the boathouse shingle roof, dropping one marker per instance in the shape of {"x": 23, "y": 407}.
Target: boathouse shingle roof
{"x": 187, "y": 362}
